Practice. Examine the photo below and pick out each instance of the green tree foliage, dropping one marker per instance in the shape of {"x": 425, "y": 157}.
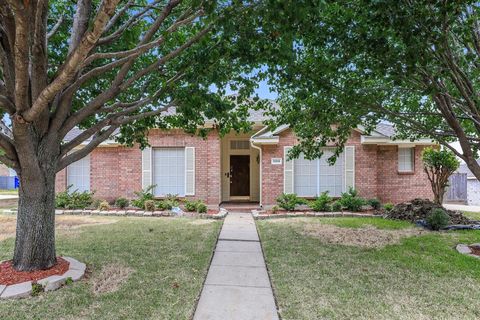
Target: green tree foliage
{"x": 412, "y": 63}
{"x": 439, "y": 166}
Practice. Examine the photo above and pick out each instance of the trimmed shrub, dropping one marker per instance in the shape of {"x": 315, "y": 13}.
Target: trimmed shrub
{"x": 104, "y": 206}
{"x": 322, "y": 203}
{"x": 374, "y": 203}
{"x": 337, "y": 206}
{"x": 201, "y": 207}
{"x": 190, "y": 206}
{"x": 275, "y": 209}
{"x": 73, "y": 200}
{"x": 167, "y": 204}
{"x": 388, "y": 206}
{"x": 437, "y": 219}
{"x": 289, "y": 201}
{"x": 351, "y": 201}
{"x": 122, "y": 203}
{"x": 149, "y": 205}
{"x": 142, "y": 196}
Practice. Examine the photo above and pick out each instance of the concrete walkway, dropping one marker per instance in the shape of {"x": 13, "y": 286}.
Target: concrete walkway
{"x": 237, "y": 284}
{"x": 461, "y": 207}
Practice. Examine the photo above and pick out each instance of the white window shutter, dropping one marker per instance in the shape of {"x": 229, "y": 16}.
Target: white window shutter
{"x": 146, "y": 167}
{"x": 349, "y": 167}
{"x": 288, "y": 186}
{"x": 189, "y": 171}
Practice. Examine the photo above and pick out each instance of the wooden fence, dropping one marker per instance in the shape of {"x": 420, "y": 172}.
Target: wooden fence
{"x": 457, "y": 190}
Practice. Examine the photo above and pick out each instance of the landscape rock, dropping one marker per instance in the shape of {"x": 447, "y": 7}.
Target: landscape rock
{"x": 21, "y": 290}
{"x": 52, "y": 283}
{"x": 75, "y": 264}
{"x": 419, "y": 209}
{"x": 74, "y": 274}
{"x": 463, "y": 248}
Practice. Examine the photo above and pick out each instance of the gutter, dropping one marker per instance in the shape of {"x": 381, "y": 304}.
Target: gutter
{"x": 252, "y": 143}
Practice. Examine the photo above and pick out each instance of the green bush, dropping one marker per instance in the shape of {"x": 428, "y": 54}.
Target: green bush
{"x": 322, "y": 203}
{"x": 351, "y": 201}
{"x": 73, "y": 200}
{"x": 122, "y": 203}
{"x": 275, "y": 209}
{"x": 337, "y": 206}
{"x": 104, "y": 206}
{"x": 62, "y": 200}
{"x": 388, "y": 206}
{"x": 289, "y": 201}
{"x": 142, "y": 196}
{"x": 190, "y": 205}
{"x": 374, "y": 203}
{"x": 167, "y": 204}
{"x": 201, "y": 207}
{"x": 438, "y": 219}
{"x": 37, "y": 288}
{"x": 149, "y": 205}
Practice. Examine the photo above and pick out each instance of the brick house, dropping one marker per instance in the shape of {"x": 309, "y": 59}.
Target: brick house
{"x": 250, "y": 167}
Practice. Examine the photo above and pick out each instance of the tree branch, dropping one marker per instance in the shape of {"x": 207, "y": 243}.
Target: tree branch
{"x": 74, "y": 61}
{"x": 55, "y": 27}
{"x": 77, "y": 155}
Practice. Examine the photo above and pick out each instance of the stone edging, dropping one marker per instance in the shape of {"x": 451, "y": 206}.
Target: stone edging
{"x": 135, "y": 213}
{"x": 76, "y": 271}
{"x": 464, "y": 249}
{"x": 258, "y": 215}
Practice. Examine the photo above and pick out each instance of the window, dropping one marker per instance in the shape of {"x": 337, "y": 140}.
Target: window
{"x": 169, "y": 171}
{"x": 406, "y": 159}
{"x": 78, "y": 175}
{"x": 240, "y": 144}
{"x": 312, "y": 177}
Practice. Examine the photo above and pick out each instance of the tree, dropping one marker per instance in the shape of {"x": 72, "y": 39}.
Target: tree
{"x": 439, "y": 166}
{"x": 412, "y": 63}
{"x": 108, "y": 65}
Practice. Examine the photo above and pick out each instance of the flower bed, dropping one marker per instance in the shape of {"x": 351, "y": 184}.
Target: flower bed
{"x": 211, "y": 213}
{"x": 22, "y": 284}
{"x": 9, "y": 276}
{"x": 264, "y": 214}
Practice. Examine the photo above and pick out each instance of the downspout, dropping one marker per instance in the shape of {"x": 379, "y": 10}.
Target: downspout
{"x": 260, "y": 170}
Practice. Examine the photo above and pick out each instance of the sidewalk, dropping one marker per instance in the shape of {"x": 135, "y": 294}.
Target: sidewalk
{"x": 461, "y": 207}
{"x": 237, "y": 284}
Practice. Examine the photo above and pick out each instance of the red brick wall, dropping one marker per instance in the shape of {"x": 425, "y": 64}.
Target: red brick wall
{"x": 117, "y": 171}
{"x": 398, "y": 187}
{"x": 376, "y": 174}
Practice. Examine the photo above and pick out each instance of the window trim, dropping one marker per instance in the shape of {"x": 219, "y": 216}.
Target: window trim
{"x": 412, "y": 153}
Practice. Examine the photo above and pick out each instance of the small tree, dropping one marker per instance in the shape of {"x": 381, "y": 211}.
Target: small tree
{"x": 439, "y": 165}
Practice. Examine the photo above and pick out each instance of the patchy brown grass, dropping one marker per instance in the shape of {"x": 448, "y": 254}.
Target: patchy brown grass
{"x": 201, "y": 221}
{"x": 111, "y": 278}
{"x": 366, "y": 237}
{"x": 63, "y": 224}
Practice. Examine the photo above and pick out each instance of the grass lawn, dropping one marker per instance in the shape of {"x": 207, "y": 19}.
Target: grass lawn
{"x": 141, "y": 268}
{"x": 359, "y": 268}
{"x": 472, "y": 215}
{"x": 8, "y": 192}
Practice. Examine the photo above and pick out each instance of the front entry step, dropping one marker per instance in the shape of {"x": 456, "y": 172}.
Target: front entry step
{"x": 240, "y": 206}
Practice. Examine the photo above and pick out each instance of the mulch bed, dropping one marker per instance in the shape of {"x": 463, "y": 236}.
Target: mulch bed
{"x": 9, "y": 276}
{"x": 475, "y": 250}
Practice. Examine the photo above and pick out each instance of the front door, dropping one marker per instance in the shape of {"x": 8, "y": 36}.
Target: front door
{"x": 239, "y": 175}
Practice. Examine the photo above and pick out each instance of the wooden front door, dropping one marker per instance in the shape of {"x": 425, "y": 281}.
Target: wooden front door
{"x": 239, "y": 175}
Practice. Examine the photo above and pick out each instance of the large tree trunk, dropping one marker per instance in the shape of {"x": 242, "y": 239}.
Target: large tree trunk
{"x": 35, "y": 235}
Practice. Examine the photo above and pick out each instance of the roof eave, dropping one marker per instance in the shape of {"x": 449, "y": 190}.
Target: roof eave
{"x": 388, "y": 141}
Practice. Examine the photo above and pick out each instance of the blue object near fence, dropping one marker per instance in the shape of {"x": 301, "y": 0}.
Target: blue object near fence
{"x": 9, "y": 183}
